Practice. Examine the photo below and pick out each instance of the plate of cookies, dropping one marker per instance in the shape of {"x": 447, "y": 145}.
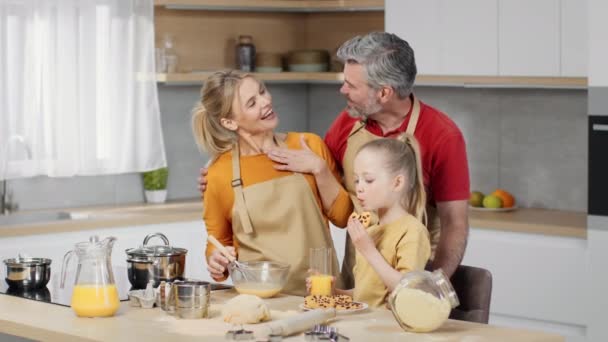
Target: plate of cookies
{"x": 342, "y": 303}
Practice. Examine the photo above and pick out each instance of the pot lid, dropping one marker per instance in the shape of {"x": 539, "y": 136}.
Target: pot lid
{"x": 156, "y": 251}
{"x": 16, "y": 262}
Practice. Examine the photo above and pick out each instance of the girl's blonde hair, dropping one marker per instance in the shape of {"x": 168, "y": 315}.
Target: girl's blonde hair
{"x": 217, "y": 96}
{"x": 403, "y": 155}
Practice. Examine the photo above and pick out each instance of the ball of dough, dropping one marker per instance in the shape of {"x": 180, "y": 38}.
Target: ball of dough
{"x": 245, "y": 309}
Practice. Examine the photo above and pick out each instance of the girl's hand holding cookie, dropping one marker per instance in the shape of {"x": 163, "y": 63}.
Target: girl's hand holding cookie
{"x": 361, "y": 239}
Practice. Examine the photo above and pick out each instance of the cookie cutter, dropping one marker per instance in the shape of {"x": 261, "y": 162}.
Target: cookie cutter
{"x": 322, "y": 332}
{"x": 239, "y": 335}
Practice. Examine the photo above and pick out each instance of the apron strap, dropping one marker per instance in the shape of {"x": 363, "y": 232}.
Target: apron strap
{"x": 411, "y": 126}
{"x": 239, "y": 196}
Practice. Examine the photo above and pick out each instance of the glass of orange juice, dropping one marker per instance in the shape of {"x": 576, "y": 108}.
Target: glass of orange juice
{"x": 320, "y": 266}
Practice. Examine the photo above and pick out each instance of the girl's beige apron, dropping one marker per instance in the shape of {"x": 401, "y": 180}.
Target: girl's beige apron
{"x": 358, "y": 137}
{"x": 279, "y": 220}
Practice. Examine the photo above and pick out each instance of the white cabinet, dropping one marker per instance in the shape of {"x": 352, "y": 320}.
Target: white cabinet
{"x": 418, "y": 23}
{"x": 529, "y": 37}
{"x": 469, "y": 34}
{"x": 493, "y": 37}
{"x": 574, "y": 38}
{"x": 448, "y": 37}
{"x": 539, "y": 282}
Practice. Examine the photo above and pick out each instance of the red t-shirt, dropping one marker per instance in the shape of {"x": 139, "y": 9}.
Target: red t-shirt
{"x": 443, "y": 151}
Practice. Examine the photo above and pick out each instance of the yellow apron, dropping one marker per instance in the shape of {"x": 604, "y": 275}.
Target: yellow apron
{"x": 279, "y": 220}
{"x": 358, "y": 137}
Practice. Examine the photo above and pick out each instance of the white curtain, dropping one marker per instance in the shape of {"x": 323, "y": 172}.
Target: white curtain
{"x": 77, "y": 89}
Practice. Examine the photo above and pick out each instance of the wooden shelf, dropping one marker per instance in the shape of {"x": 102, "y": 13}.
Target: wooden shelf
{"x": 502, "y": 81}
{"x": 274, "y": 5}
{"x": 279, "y": 77}
{"x": 421, "y": 80}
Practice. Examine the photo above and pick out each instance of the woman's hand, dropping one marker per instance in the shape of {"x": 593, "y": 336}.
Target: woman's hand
{"x": 361, "y": 239}
{"x": 303, "y": 161}
{"x": 218, "y": 263}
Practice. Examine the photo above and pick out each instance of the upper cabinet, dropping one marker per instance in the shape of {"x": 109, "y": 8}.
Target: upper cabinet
{"x": 448, "y": 37}
{"x": 574, "y": 38}
{"x": 529, "y": 38}
{"x": 504, "y": 38}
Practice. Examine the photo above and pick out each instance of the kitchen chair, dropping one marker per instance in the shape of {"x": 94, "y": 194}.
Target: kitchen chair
{"x": 473, "y": 285}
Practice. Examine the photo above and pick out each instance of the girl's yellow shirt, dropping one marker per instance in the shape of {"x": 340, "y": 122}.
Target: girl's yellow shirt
{"x": 404, "y": 244}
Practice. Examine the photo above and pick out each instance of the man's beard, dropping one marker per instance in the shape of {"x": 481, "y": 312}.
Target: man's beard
{"x": 372, "y": 107}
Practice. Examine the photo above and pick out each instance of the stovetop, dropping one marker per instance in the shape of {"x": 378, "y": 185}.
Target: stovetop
{"x": 54, "y": 294}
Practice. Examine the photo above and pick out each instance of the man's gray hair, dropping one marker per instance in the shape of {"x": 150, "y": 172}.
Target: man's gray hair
{"x": 387, "y": 59}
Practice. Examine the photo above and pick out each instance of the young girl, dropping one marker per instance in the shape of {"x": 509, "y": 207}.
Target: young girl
{"x": 388, "y": 180}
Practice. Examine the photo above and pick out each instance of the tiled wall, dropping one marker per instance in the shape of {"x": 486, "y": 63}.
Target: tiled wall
{"x": 530, "y": 142}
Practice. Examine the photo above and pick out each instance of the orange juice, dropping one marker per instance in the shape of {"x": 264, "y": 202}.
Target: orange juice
{"x": 320, "y": 285}
{"x": 95, "y": 301}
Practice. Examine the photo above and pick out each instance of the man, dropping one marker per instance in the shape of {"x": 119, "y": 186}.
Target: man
{"x": 379, "y": 74}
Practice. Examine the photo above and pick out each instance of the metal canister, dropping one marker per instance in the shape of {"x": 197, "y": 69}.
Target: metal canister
{"x": 192, "y": 299}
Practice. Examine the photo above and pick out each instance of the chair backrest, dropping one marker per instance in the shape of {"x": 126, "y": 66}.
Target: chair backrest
{"x": 473, "y": 285}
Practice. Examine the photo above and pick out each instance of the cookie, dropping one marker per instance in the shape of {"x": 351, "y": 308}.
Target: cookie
{"x": 349, "y": 306}
{"x": 365, "y": 218}
{"x": 342, "y": 299}
{"x": 326, "y": 302}
{"x": 311, "y": 302}
{"x": 316, "y": 302}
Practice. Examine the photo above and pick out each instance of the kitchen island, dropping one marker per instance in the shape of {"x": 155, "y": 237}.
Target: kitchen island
{"x": 49, "y": 322}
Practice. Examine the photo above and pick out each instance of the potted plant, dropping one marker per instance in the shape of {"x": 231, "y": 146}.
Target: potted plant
{"x": 155, "y": 185}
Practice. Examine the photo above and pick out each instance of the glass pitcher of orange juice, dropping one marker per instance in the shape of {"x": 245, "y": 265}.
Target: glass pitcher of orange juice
{"x": 95, "y": 293}
{"x": 320, "y": 265}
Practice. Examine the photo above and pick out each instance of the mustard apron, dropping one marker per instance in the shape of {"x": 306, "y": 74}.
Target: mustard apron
{"x": 279, "y": 220}
{"x": 359, "y": 136}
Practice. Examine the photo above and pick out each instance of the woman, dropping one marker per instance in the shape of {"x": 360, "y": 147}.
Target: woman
{"x": 251, "y": 204}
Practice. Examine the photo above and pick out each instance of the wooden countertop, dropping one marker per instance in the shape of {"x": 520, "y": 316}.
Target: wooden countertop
{"x": 21, "y": 317}
{"x": 524, "y": 220}
{"x": 536, "y": 221}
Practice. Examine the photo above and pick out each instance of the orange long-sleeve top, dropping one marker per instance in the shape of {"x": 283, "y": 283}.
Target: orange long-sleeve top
{"x": 219, "y": 195}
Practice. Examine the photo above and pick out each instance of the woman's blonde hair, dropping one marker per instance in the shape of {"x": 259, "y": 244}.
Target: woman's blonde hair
{"x": 217, "y": 96}
{"x": 403, "y": 155}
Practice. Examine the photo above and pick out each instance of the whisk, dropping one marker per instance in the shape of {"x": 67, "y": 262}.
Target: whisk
{"x": 239, "y": 266}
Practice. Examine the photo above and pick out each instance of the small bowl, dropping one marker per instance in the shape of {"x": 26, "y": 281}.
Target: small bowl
{"x": 28, "y": 273}
{"x": 264, "y": 279}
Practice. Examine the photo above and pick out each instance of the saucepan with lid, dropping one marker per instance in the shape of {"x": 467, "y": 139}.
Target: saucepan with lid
{"x": 157, "y": 263}
{"x": 27, "y": 273}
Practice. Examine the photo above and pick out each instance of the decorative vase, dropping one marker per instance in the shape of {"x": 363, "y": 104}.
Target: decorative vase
{"x": 156, "y": 196}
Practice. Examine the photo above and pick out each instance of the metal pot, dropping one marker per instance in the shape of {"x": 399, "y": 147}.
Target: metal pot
{"x": 158, "y": 263}
{"x": 28, "y": 273}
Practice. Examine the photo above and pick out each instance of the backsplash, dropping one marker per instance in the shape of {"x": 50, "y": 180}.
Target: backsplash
{"x": 532, "y": 142}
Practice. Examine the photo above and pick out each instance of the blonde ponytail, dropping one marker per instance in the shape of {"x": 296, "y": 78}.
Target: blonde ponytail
{"x": 403, "y": 155}
{"x": 217, "y": 96}
{"x": 416, "y": 196}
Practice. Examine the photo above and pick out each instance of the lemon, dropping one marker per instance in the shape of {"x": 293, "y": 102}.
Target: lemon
{"x": 492, "y": 201}
{"x": 476, "y": 199}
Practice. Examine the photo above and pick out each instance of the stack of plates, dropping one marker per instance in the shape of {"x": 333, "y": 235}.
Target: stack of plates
{"x": 268, "y": 62}
{"x": 308, "y": 61}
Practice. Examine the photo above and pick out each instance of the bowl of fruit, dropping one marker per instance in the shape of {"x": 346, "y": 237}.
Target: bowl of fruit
{"x": 499, "y": 200}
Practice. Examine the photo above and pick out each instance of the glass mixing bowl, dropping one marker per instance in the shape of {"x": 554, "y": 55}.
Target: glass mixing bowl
{"x": 264, "y": 279}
